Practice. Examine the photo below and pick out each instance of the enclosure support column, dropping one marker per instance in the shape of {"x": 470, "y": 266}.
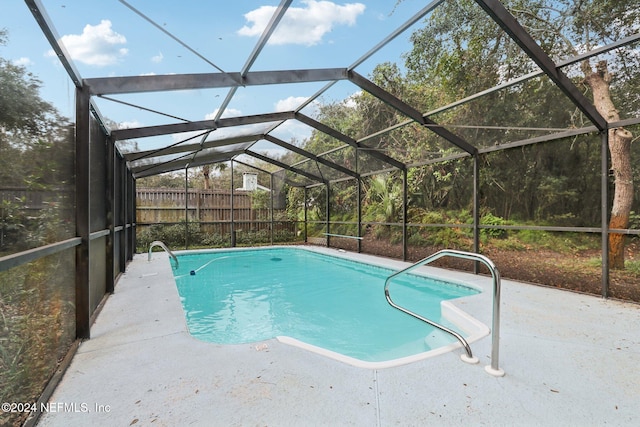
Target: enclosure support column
{"x": 404, "y": 214}
{"x": 131, "y": 191}
{"x": 130, "y": 214}
{"x": 122, "y": 213}
{"x": 328, "y": 214}
{"x": 83, "y": 205}
{"x": 359, "y": 201}
{"x": 233, "y": 230}
{"x": 186, "y": 207}
{"x": 126, "y": 230}
{"x": 304, "y": 204}
{"x": 476, "y": 210}
{"x": 359, "y": 214}
{"x": 604, "y": 208}
{"x": 271, "y": 200}
{"x": 111, "y": 214}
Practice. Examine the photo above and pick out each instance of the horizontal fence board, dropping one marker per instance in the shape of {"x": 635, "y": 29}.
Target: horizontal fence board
{"x": 167, "y": 205}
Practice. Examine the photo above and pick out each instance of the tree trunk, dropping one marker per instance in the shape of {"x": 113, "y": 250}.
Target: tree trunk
{"x": 206, "y": 170}
{"x": 620, "y": 151}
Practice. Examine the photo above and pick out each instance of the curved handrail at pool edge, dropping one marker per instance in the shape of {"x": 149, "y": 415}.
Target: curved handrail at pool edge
{"x": 493, "y": 369}
{"x": 163, "y": 246}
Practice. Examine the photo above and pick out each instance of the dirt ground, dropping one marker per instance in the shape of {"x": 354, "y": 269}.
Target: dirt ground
{"x": 576, "y": 272}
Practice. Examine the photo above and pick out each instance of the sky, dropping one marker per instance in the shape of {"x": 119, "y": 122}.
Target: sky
{"x": 153, "y": 37}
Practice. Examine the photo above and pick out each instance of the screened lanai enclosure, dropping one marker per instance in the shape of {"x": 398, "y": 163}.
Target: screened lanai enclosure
{"x": 398, "y": 129}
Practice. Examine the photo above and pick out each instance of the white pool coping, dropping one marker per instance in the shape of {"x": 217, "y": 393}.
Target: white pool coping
{"x": 570, "y": 360}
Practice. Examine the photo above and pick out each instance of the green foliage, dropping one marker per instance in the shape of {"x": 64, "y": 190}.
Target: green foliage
{"x": 37, "y": 314}
{"x": 416, "y": 239}
{"x": 634, "y": 220}
{"x": 295, "y": 204}
{"x": 383, "y": 199}
{"x": 23, "y": 111}
{"x": 171, "y": 235}
{"x": 554, "y": 194}
{"x": 380, "y": 231}
{"x": 37, "y": 326}
{"x": 253, "y": 237}
{"x": 285, "y": 236}
{"x": 450, "y": 237}
{"x": 439, "y": 216}
{"x": 490, "y": 219}
{"x": 23, "y": 228}
{"x": 36, "y": 159}
{"x": 446, "y": 237}
{"x": 395, "y": 238}
{"x": 166, "y": 180}
{"x": 509, "y": 243}
{"x": 12, "y": 223}
{"x": 430, "y": 186}
{"x": 559, "y": 242}
{"x": 632, "y": 267}
{"x": 260, "y": 199}
{"x": 210, "y": 240}
{"x": 174, "y": 237}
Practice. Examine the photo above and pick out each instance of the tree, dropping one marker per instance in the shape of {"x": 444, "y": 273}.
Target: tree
{"x": 206, "y": 171}
{"x": 588, "y": 20}
{"x": 599, "y": 80}
{"x": 35, "y": 141}
{"x": 36, "y": 154}
{"x": 464, "y": 52}
{"x": 23, "y": 111}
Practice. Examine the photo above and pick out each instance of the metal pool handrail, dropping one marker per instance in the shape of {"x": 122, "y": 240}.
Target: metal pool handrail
{"x": 166, "y": 249}
{"x": 493, "y": 369}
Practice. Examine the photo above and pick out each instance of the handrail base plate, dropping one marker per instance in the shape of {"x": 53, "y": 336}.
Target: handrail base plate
{"x": 470, "y": 360}
{"x": 495, "y": 372}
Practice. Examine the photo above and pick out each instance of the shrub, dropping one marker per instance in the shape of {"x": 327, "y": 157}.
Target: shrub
{"x": 496, "y": 233}
{"x": 416, "y": 239}
{"x": 171, "y": 235}
{"x": 214, "y": 240}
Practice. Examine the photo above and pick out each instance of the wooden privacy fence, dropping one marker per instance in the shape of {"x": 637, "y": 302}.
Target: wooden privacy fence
{"x": 167, "y": 206}
{"x": 33, "y": 199}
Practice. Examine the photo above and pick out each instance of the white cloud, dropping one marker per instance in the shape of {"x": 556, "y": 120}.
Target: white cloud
{"x": 290, "y": 103}
{"x": 158, "y": 58}
{"x": 293, "y": 130}
{"x": 306, "y": 26}
{"x": 350, "y": 101}
{"x": 98, "y": 45}
{"x": 129, "y": 125}
{"x": 229, "y": 112}
{"x": 23, "y": 62}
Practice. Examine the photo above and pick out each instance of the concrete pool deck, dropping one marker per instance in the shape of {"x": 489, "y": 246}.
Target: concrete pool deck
{"x": 570, "y": 360}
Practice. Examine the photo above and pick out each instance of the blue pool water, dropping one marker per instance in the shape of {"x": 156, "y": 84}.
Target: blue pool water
{"x": 244, "y": 296}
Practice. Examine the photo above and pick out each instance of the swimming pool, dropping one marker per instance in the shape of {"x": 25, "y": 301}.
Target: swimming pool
{"x": 328, "y": 304}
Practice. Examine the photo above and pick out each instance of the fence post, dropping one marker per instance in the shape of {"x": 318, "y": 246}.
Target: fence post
{"x": 186, "y": 206}
{"x": 233, "y": 230}
{"x": 271, "y": 205}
